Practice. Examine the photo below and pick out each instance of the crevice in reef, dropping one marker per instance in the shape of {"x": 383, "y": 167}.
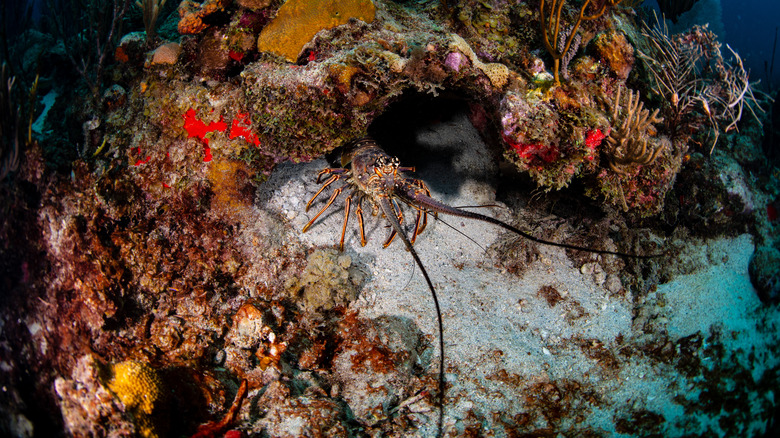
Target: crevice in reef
{"x": 406, "y": 130}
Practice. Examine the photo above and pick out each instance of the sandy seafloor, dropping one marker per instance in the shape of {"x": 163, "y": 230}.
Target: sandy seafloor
{"x": 500, "y": 334}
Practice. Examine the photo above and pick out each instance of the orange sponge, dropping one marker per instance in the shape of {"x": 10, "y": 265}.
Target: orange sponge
{"x": 298, "y": 21}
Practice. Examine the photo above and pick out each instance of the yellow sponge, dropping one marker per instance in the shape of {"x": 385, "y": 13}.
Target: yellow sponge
{"x": 297, "y": 21}
{"x": 139, "y": 387}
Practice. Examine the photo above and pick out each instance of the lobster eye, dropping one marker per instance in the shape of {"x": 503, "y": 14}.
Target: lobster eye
{"x": 387, "y": 163}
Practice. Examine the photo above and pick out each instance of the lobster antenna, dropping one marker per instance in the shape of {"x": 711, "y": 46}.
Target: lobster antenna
{"x": 484, "y": 250}
{"x": 480, "y": 206}
{"x": 389, "y": 212}
{"x": 411, "y": 275}
{"x": 436, "y": 206}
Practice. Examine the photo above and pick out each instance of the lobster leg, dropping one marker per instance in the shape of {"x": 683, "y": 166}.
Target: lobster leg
{"x": 425, "y": 216}
{"x": 422, "y": 218}
{"x": 422, "y": 214}
{"x": 359, "y": 214}
{"x": 347, "y": 204}
{"x": 333, "y": 178}
{"x": 329, "y": 171}
{"x": 399, "y": 218}
{"x": 333, "y": 196}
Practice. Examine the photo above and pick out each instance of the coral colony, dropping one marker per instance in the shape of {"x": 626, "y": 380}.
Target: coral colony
{"x": 155, "y": 165}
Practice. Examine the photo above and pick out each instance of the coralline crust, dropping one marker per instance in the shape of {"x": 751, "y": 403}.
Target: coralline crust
{"x": 497, "y": 73}
{"x": 297, "y": 21}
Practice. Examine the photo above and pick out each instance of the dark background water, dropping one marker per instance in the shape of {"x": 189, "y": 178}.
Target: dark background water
{"x": 751, "y": 26}
{"x": 747, "y": 26}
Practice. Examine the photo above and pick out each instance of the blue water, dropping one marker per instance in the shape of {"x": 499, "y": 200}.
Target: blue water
{"x": 751, "y": 26}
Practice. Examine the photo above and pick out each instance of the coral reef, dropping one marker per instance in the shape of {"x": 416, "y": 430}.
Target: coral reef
{"x": 167, "y": 53}
{"x": 311, "y": 414}
{"x": 252, "y": 340}
{"x": 497, "y": 73}
{"x": 156, "y": 281}
{"x": 614, "y": 49}
{"x": 375, "y": 365}
{"x": 88, "y": 407}
{"x": 560, "y": 41}
{"x": 151, "y": 11}
{"x": 703, "y": 93}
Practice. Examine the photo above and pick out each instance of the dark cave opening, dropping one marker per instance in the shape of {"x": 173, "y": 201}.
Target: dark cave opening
{"x": 437, "y": 136}
{"x": 428, "y": 132}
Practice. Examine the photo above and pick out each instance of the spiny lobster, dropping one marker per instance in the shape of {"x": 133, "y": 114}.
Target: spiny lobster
{"x": 373, "y": 175}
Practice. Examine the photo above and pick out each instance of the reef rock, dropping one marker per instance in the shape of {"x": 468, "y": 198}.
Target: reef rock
{"x": 764, "y": 269}
{"x": 375, "y": 364}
